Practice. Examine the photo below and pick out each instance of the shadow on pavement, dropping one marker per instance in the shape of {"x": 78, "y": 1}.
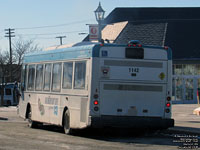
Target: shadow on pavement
{"x": 130, "y": 136}
{"x": 1, "y": 118}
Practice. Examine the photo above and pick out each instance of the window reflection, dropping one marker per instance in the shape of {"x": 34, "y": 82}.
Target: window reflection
{"x": 186, "y": 69}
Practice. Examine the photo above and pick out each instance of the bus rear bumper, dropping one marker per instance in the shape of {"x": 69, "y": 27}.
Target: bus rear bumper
{"x": 131, "y": 122}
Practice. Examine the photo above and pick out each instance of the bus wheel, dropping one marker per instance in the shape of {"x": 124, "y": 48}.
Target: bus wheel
{"x": 66, "y": 123}
{"x": 31, "y": 123}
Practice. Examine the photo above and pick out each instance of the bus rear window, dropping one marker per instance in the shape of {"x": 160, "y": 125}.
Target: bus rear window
{"x": 134, "y": 52}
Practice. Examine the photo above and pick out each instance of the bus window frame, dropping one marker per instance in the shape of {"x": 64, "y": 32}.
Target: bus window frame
{"x": 24, "y": 76}
{"x": 61, "y": 64}
{"x": 43, "y": 87}
{"x": 33, "y": 79}
{"x": 42, "y": 77}
{"x": 80, "y": 88}
{"x": 65, "y": 88}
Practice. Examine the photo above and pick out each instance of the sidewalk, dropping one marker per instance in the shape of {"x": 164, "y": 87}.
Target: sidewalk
{"x": 185, "y": 120}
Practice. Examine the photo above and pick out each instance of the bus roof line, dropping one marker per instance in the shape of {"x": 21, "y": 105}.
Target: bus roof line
{"x": 86, "y": 51}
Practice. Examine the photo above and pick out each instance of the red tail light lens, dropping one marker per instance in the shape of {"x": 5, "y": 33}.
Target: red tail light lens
{"x": 96, "y": 102}
{"x": 166, "y": 48}
{"x": 168, "y": 104}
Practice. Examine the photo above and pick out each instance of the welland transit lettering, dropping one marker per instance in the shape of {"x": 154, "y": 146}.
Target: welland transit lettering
{"x": 51, "y": 101}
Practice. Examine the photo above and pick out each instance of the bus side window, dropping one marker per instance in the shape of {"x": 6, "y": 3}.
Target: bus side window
{"x": 23, "y": 78}
{"x": 47, "y": 77}
{"x": 79, "y": 77}
{"x": 56, "y": 77}
{"x": 67, "y": 75}
{"x": 39, "y": 77}
{"x": 31, "y": 77}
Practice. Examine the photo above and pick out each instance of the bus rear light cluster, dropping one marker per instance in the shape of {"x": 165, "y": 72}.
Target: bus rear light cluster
{"x": 134, "y": 45}
{"x": 96, "y": 103}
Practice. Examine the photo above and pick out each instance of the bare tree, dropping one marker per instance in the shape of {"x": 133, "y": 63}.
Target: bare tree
{"x": 20, "y": 48}
{"x": 12, "y": 72}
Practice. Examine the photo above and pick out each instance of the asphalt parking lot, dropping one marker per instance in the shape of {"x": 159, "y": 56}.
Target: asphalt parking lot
{"x": 15, "y": 135}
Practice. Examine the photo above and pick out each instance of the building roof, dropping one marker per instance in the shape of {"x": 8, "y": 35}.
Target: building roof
{"x": 112, "y": 31}
{"x": 177, "y": 27}
{"x": 153, "y": 13}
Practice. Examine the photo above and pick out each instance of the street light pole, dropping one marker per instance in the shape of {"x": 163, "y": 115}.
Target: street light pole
{"x": 99, "y": 35}
{"x": 99, "y": 14}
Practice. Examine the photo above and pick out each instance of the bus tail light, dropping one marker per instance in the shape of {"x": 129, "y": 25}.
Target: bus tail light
{"x": 96, "y": 102}
{"x": 168, "y": 104}
{"x": 134, "y": 43}
{"x": 166, "y": 47}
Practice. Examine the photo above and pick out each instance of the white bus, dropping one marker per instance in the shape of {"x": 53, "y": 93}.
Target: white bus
{"x": 98, "y": 85}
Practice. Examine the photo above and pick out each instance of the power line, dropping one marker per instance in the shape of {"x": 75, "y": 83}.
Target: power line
{"x": 40, "y": 34}
{"x": 52, "y": 26}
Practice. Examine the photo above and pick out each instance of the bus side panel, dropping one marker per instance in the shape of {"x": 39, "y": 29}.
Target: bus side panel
{"x": 95, "y": 88}
{"x": 38, "y": 107}
{"x": 78, "y": 109}
{"x": 23, "y": 106}
{"x": 77, "y": 101}
{"x": 169, "y": 87}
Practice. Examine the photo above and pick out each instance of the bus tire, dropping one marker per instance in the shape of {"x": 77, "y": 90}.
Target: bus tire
{"x": 66, "y": 123}
{"x": 31, "y": 123}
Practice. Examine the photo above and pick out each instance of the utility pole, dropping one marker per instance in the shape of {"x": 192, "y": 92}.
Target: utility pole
{"x": 9, "y": 35}
{"x": 61, "y": 37}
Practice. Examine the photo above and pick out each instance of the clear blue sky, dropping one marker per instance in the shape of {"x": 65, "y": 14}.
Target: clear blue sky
{"x": 74, "y": 14}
